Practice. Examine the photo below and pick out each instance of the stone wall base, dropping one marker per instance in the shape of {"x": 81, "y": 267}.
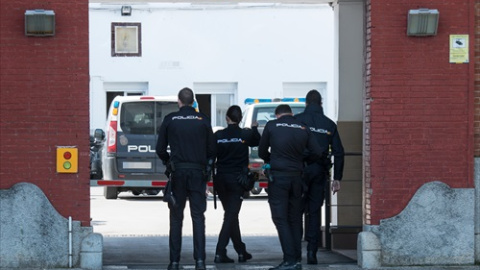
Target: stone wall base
{"x": 436, "y": 228}
{"x": 34, "y": 235}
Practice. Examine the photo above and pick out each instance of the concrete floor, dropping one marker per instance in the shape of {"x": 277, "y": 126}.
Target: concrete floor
{"x": 152, "y": 252}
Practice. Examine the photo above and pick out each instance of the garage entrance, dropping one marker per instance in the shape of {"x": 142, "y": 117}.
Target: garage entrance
{"x": 345, "y": 209}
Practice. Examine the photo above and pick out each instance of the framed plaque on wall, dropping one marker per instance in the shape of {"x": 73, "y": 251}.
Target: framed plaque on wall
{"x": 126, "y": 39}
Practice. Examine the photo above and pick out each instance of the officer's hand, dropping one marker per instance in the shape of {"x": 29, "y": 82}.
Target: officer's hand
{"x": 168, "y": 169}
{"x": 255, "y": 124}
{"x": 208, "y": 170}
{"x": 335, "y": 186}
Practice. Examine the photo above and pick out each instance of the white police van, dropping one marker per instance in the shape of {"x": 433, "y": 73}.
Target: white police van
{"x": 262, "y": 111}
{"x": 129, "y": 161}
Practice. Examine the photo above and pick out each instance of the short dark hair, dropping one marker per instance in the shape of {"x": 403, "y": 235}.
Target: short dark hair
{"x": 313, "y": 97}
{"x": 186, "y": 96}
{"x": 283, "y": 108}
{"x": 235, "y": 113}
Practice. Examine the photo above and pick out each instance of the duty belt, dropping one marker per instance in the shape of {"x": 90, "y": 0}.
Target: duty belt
{"x": 280, "y": 173}
{"x": 189, "y": 165}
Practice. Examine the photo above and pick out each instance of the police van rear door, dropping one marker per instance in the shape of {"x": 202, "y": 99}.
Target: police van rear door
{"x": 137, "y": 136}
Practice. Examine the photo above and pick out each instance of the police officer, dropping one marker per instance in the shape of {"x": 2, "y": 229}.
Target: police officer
{"x": 316, "y": 172}
{"x": 232, "y": 160}
{"x": 288, "y": 138}
{"x": 192, "y": 149}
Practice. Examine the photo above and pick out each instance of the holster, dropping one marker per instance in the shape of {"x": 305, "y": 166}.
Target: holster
{"x": 168, "y": 195}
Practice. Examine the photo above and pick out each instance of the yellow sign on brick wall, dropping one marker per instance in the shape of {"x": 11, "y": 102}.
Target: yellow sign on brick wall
{"x": 459, "y": 45}
{"x": 67, "y": 159}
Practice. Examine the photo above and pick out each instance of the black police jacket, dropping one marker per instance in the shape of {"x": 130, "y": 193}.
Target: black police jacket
{"x": 326, "y": 133}
{"x": 189, "y": 135}
{"x": 232, "y": 147}
{"x": 288, "y": 138}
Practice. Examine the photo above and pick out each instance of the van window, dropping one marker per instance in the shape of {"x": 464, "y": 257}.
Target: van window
{"x": 265, "y": 114}
{"x": 144, "y": 117}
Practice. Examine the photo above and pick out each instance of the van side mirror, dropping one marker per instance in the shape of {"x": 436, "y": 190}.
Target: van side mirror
{"x": 99, "y": 134}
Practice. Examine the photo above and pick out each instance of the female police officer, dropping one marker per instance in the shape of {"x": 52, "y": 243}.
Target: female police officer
{"x": 232, "y": 160}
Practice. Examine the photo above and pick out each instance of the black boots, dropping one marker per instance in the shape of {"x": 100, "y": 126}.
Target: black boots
{"x": 311, "y": 257}
{"x": 222, "y": 259}
{"x": 200, "y": 265}
{"x": 287, "y": 266}
{"x": 173, "y": 266}
{"x": 244, "y": 257}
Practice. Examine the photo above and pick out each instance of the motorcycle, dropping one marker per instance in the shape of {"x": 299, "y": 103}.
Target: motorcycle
{"x": 96, "y": 143}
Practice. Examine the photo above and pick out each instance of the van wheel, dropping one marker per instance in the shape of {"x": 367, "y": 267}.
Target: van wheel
{"x": 256, "y": 191}
{"x": 110, "y": 193}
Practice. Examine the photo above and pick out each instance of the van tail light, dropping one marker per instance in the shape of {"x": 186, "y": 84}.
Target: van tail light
{"x": 112, "y": 137}
{"x": 255, "y": 165}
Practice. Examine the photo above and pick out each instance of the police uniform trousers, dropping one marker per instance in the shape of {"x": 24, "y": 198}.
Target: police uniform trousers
{"x": 188, "y": 183}
{"x": 231, "y": 196}
{"x": 285, "y": 200}
{"x": 314, "y": 176}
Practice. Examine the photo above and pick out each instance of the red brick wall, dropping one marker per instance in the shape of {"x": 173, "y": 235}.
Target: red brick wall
{"x": 419, "y": 107}
{"x": 44, "y": 102}
{"x": 477, "y": 79}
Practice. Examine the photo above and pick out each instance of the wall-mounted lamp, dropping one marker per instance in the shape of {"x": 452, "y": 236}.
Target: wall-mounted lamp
{"x": 422, "y": 22}
{"x": 40, "y": 23}
{"x": 126, "y": 10}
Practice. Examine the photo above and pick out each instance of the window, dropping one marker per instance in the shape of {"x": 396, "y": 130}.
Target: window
{"x": 126, "y": 39}
{"x": 144, "y": 117}
{"x": 265, "y": 114}
{"x": 222, "y": 103}
{"x": 214, "y": 99}
{"x": 112, "y": 94}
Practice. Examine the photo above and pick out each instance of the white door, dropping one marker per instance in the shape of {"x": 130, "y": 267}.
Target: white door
{"x": 222, "y": 96}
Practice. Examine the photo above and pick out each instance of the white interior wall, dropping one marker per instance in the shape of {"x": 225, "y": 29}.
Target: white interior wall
{"x": 257, "y": 46}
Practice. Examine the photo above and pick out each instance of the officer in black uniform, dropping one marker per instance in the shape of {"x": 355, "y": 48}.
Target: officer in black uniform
{"x": 316, "y": 172}
{"x": 192, "y": 150}
{"x": 288, "y": 139}
{"x": 232, "y": 160}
